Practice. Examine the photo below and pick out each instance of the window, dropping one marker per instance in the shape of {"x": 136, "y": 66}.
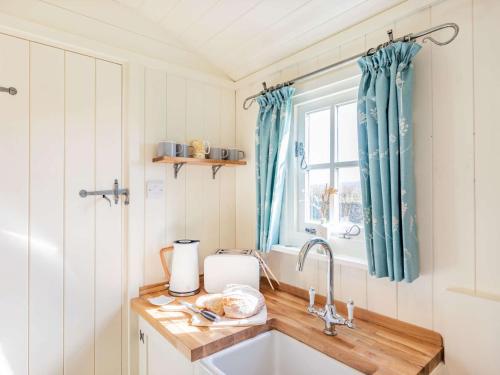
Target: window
{"x": 325, "y": 156}
{"x": 329, "y": 139}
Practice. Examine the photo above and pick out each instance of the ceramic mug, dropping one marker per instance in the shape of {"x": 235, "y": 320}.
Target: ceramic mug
{"x": 184, "y": 150}
{"x": 167, "y": 148}
{"x": 200, "y": 148}
{"x": 235, "y": 154}
{"x": 218, "y": 153}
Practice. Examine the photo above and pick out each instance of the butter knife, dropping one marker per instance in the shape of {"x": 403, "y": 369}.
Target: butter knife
{"x": 205, "y": 313}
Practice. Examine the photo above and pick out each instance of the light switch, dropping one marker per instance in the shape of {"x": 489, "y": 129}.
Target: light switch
{"x": 155, "y": 189}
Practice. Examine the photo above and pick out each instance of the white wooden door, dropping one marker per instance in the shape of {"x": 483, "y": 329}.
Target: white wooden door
{"x": 61, "y": 256}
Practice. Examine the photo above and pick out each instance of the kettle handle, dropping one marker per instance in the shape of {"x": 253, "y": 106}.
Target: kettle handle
{"x": 164, "y": 262}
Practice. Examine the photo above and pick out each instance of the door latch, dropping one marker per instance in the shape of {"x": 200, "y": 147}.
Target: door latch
{"x": 115, "y": 192}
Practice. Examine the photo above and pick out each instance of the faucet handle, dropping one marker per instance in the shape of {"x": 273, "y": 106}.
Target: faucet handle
{"x": 350, "y": 310}
{"x": 312, "y": 295}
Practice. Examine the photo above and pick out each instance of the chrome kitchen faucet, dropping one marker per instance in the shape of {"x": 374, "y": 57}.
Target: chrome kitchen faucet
{"x": 329, "y": 312}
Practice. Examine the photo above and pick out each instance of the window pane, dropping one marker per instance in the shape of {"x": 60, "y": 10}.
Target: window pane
{"x": 348, "y": 201}
{"x": 347, "y": 133}
{"x": 316, "y": 181}
{"x": 317, "y": 142}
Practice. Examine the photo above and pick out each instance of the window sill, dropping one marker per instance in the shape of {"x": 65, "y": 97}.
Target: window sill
{"x": 344, "y": 260}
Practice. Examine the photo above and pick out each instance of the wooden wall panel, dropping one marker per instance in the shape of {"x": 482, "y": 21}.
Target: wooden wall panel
{"x": 413, "y": 299}
{"x": 353, "y": 285}
{"x": 245, "y": 177}
{"x": 109, "y": 249}
{"x": 195, "y": 175}
{"x": 176, "y": 187}
{"x": 227, "y": 176}
{"x": 486, "y": 86}
{"x": 14, "y": 206}
{"x": 155, "y": 209}
{"x": 453, "y": 151}
{"x": 79, "y": 246}
{"x": 210, "y": 235}
{"x": 305, "y": 279}
{"x": 176, "y": 107}
{"x": 382, "y": 296}
{"x": 195, "y": 193}
{"x": 134, "y": 157}
{"x": 46, "y": 209}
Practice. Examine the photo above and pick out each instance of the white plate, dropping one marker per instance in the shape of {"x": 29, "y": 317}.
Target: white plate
{"x": 160, "y": 300}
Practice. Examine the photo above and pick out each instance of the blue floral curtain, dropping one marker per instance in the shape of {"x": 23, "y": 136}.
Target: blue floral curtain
{"x": 385, "y": 141}
{"x": 271, "y": 147}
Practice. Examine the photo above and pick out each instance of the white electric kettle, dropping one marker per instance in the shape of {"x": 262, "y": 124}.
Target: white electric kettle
{"x": 184, "y": 278}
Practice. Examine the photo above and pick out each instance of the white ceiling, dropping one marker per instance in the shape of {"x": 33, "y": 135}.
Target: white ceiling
{"x": 239, "y": 37}
{"x": 243, "y": 36}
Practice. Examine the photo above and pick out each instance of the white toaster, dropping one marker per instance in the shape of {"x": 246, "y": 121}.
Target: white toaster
{"x": 223, "y": 269}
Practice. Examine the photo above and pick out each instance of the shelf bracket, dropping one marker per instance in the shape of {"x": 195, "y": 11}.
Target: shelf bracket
{"x": 177, "y": 168}
{"x": 215, "y": 169}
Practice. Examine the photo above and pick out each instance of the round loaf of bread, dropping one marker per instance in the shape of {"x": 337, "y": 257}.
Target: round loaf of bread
{"x": 241, "y": 301}
{"x": 211, "y": 302}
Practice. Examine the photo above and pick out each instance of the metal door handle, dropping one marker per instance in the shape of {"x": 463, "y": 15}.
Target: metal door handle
{"x": 10, "y": 90}
{"x": 115, "y": 192}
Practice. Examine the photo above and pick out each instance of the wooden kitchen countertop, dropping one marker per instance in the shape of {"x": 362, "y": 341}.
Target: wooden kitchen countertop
{"x": 378, "y": 345}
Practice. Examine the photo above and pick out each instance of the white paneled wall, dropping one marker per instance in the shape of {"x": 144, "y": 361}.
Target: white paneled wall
{"x": 164, "y": 105}
{"x": 109, "y": 250}
{"x": 79, "y": 215}
{"x": 46, "y": 208}
{"x": 14, "y": 203}
{"x": 61, "y": 256}
{"x": 456, "y": 159}
{"x": 180, "y": 109}
{"x": 486, "y": 85}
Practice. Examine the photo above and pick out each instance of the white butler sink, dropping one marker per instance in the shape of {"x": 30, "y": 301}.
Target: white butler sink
{"x": 272, "y": 353}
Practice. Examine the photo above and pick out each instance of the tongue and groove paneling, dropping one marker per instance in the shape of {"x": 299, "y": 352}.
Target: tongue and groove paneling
{"x": 62, "y": 257}
{"x": 14, "y": 206}
{"x": 46, "y": 308}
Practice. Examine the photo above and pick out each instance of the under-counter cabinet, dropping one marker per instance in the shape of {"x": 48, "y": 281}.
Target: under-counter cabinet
{"x": 157, "y": 356}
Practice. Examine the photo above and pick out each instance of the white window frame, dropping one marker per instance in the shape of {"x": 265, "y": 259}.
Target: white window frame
{"x": 329, "y": 103}
{"x": 293, "y": 226}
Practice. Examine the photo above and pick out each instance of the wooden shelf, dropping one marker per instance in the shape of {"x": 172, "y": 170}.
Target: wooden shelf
{"x": 178, "y": 162}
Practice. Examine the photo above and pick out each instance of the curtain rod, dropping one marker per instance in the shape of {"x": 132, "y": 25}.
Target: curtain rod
{"x": 406, "y": 38}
